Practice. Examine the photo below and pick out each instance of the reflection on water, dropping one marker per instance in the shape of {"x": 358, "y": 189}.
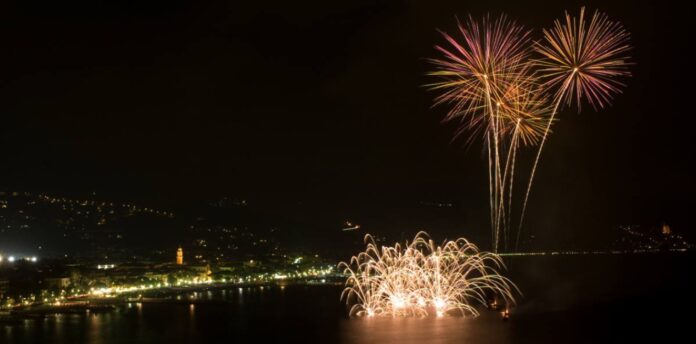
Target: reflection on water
{"x": 565, "y": 301}
{"x": 288, "y": 313}
{"x": 487, "y": 329}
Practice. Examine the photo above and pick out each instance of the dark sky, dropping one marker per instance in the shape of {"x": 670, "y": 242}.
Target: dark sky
{"x": 322, "y": 103}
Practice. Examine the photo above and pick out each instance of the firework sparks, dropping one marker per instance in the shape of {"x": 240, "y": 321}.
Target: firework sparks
{"x": 421, "y": 278}
{"x": 580, "y": 60}
{"x": 488, "y": 81}
{"x": 501, "y": 94}
{"x": 584, "y": 60}
{"x": 476, "y": 70}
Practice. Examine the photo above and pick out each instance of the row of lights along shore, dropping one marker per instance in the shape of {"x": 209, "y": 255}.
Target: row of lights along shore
{"x": 12, "y": 259}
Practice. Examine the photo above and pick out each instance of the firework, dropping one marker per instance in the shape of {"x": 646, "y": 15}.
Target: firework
{"x": 475, "y": 71}
{"x": 489, "y": 83}
{"x": 580, "y": 60}
{"x": 584, "y": 60}
{"x": 421, "y": 278}
{"x": 500, "y": 93}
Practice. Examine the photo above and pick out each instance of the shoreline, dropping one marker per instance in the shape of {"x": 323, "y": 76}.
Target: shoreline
{"x": 86, "y": 305}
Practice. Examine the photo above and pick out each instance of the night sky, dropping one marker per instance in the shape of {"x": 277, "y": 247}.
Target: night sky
{"x": 320, "y": 107}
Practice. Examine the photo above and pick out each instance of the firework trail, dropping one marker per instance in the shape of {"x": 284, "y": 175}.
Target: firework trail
{"x": 580, "y": 60}
{"x": 499, "y": 93}
{"x": 488, "y": 82}
{"x": 421, "y": 278}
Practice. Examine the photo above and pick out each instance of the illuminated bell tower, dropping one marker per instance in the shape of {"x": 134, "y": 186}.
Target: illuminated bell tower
{"x": 180, "y": 256}
{"x": 665, "y": 229}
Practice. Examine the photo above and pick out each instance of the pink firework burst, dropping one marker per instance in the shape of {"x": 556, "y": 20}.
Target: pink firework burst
{"x": 476, "y": 70}
{"x": 581, "y": 59}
